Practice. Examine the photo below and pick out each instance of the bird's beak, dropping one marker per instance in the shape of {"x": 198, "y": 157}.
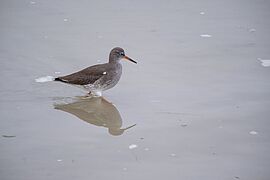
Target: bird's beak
{"x": 129, "y": 127}
{"x": 127, "y": 58}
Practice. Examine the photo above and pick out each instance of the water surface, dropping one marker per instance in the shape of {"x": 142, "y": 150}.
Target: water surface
{"x": 199, "y": 95}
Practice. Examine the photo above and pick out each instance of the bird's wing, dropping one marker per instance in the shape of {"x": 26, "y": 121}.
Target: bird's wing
{"x": 86, "y": 76}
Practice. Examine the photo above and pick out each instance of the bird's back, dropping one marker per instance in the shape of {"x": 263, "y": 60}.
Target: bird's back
{"x": 107, "y": 74}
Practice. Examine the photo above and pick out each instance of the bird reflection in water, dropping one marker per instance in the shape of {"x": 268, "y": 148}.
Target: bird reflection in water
{"x": 97, "y": 111}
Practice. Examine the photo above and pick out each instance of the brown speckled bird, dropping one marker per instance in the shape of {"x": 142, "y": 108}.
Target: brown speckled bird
{"x": 99, "y": 77}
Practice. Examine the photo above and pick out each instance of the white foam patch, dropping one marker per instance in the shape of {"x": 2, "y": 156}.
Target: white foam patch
{"x": 264, "y": 62}
{"x": 253, "y": 132}
{"x": 132, "y": 146}
{"x": 206, "y": 35}
{"x": 44, "y": 79}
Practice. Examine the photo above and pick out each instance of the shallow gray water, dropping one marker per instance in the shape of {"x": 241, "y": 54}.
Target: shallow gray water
{"x": 200, "y": 103}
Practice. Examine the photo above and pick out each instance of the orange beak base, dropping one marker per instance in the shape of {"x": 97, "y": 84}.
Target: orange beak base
{"x": 127, "y": 58}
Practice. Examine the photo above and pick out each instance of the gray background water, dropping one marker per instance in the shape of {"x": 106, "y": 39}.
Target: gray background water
{"x": 195, "y": 100}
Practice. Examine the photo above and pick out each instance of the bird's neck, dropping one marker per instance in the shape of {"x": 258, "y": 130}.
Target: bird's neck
{"x": 114, "y": 61}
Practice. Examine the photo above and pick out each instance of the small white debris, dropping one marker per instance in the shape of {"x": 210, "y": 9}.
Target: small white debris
{"x": 206, "y": 35}
{"x": 124, "y": 169}
{"x": 252, "y": 30}
{"x": 59, "y": 160}
{"x": 132, "y": 146}
{"x": 202, "y": 13}
{"x": 65, "y": 20}
{"x": 253, "y": 132}
{"x": 57, "y": 72}
{"x": 32, "y": 2}
{"x": 173, "y": 155}
{"x": 146, "y": 149}
{"x": 264, "y": 62}
{"x": 44, "y": 79}
{"x": 104, "y": 72}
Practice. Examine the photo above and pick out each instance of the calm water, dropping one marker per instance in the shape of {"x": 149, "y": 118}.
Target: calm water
{"x": 196, "y": 106}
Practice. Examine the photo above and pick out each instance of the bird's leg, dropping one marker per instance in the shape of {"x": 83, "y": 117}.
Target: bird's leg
{"x": 90, "y": 94}
{"x": 87, "y": 96}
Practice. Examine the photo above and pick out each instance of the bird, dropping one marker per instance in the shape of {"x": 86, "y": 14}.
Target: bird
{"x": 98, "y": 78}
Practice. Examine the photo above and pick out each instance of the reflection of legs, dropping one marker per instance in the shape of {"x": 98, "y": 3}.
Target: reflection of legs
{"x": 89, "y": 95}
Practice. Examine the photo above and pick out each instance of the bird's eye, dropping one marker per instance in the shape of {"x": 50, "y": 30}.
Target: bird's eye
{"x": 122, "y": 53}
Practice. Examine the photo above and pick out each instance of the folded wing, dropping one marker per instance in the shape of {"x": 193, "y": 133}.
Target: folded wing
{"x": 86, "y": 76}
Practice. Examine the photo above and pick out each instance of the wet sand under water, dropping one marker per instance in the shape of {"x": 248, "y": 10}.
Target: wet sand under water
{"x": 196, "y": 106}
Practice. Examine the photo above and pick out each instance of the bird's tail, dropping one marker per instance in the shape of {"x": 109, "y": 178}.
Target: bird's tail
{"x": 60, "y": 79}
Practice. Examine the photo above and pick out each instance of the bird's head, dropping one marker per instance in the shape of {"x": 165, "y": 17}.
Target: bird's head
{"x": 118, "y": 54}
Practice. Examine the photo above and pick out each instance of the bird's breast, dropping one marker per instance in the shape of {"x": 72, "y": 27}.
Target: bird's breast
{"x": 114, "y": 74}
{"x": 111, "y": 77}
